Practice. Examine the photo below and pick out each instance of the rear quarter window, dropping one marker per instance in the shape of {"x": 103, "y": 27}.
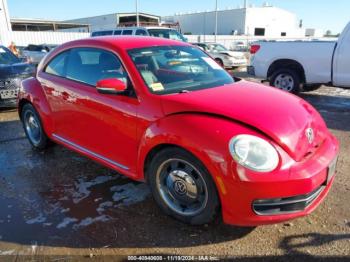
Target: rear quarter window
{"x": 57, "y": 65}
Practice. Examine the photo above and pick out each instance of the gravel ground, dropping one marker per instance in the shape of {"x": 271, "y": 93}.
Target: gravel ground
{"x": 60, "y": 205}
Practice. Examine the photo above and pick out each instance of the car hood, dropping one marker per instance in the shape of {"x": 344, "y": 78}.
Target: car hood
{"x": 281, "y": 116}
{"x": 7, "y": 71}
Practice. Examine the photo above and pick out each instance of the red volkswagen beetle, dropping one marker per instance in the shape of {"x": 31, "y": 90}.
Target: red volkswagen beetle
{"x": 163, "y": 112}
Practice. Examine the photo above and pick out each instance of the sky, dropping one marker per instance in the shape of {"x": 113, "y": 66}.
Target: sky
{"x": 321, "y": 14}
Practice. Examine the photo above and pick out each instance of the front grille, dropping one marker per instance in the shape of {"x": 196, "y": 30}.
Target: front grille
{"x": 286, "y": 205}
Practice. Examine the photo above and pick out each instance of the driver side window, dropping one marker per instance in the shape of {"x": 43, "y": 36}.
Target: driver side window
{"x": 90, "y": 65}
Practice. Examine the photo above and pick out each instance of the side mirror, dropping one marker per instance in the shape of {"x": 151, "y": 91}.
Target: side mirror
{"x": 111, "y": 86}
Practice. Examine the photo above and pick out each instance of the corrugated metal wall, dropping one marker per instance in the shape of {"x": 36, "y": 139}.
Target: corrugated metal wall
{"x": 51, "y": 38}
{"x": 231, "y": 40}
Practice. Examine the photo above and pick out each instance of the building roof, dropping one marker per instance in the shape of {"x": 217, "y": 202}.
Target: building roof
{"x": 42, "y": 21}
{"x": 116, "y": 14}
{"x": 228, "y": 10}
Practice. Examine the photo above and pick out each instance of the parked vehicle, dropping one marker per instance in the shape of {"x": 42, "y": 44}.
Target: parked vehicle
{"x": 223, "y": 56}
{"x": 166, "y": 113}
{"x": 291, "y": 65}
{"x": 12, "y": 71}
{"x": 240, "y": 46}
{"x": 35, "y": 53}
{"x": 162, "y": 32}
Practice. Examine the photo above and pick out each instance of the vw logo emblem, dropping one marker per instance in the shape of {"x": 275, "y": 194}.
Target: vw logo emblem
{"x": 180, "y": 187}
{"x": 310, "y": 135}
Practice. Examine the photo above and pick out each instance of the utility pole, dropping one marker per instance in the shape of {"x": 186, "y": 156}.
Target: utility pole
{"x": 137, "y": 13}
{"x": 216, "y": 19}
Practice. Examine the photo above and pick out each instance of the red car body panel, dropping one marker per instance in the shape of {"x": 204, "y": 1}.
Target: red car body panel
{"x": 124, "y": 130}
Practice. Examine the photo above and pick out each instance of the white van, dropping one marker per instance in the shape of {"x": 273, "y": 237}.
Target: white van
{"x": 163, "y": 32}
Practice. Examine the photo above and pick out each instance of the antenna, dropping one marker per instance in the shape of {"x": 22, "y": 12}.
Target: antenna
{"x": 246, "y": 4}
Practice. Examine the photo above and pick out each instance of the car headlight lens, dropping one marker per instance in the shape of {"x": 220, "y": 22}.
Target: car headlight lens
{"x": 254, "y": 153}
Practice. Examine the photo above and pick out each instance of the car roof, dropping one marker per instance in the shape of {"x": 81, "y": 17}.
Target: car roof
{"x": 126, "y": 42}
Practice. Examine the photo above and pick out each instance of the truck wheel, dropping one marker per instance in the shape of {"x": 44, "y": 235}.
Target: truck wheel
{"x": 33, "y": 127}
{"x": 286, "y": 79}
{"x": 182, "y": 187}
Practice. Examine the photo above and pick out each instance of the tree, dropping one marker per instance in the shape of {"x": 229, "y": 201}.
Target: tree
{"x": 328, "y": 33}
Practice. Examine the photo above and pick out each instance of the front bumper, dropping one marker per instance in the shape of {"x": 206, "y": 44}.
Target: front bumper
{"x": 9, "y": 89}
{"x": 299, "y": 194}
{"x": 232, "y": 62}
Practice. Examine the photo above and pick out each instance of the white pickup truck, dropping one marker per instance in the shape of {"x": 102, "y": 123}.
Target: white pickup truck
{"x": 296, "y": 64}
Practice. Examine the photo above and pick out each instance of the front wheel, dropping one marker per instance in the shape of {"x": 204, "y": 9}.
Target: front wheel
{"x": 287, "y": 80}
{"x": 33, "y": 127}
{"x": 182, "y": 187}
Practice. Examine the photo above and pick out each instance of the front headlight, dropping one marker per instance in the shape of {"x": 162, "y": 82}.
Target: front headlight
{"x": 254, "y": 153}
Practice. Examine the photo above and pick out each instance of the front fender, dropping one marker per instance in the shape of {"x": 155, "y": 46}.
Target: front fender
{"x": 32, "y": 91}
{"x": 205, "y": 136}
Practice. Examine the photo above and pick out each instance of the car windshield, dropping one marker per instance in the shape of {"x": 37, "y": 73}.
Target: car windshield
{"x": 176, "y": 69}
{"x": 166, "y": 33}
{"x": 217, "y": 48}
{"x": 7, "y": 58}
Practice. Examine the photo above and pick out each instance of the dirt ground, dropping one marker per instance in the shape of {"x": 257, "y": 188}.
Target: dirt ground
{"x": 58, "y": 205}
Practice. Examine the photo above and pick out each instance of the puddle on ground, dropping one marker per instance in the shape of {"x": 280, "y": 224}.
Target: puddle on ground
{"x": 41, "y": 194}
{"x": 69, "y": 207}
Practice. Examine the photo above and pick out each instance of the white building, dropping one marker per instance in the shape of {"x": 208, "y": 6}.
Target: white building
{"x": 266, "y": 21}
{"x": 5, "y": 24}
{"x": 111, "y": 21}
{"x": 313, "y": 32}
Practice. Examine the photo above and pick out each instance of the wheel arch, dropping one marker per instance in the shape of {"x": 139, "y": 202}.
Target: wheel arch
{"x": 220, "y": 61}
{"x": 209, "y": 148}
{"x": 32, "y": 92}
{"x": 21, "y": 104}
{"x": 154, "y": 151}
{"x": 289, "y": 64}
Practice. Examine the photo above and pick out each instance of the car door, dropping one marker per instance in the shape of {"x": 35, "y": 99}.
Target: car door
{"x": 102, "y": 126}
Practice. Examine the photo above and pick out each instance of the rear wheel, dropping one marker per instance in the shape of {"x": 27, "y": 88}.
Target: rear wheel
{"x": 287, "y": 80}
{"x": 182, "y": 187}
{"x": 33, "y": 127}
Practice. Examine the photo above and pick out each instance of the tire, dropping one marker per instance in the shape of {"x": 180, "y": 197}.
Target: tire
{"x": 33, "y": 127}
{"x": 220, "y": 62}
{"x": 182, "y": 187}
{"x": 286, "y": 79}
